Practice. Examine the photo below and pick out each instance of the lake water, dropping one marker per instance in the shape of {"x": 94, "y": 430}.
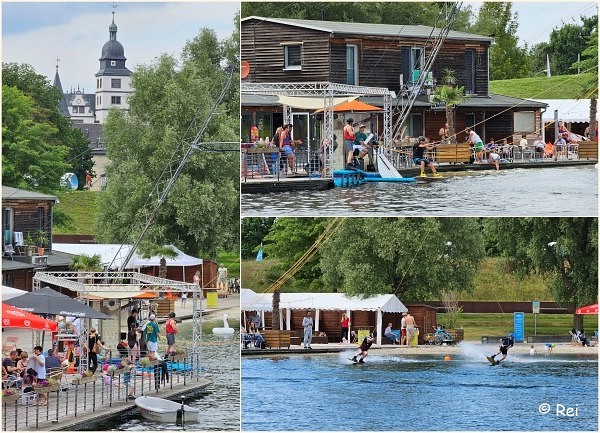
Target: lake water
{"x": 390, "y": 393}
{"x": 564, "y": 191}
{"x": 219, "y": 404}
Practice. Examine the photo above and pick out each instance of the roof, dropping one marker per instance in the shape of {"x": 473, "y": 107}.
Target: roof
{"x": 56, "y": 259}
{"x": 108, "y": 251}
{"x": 500, "y": 101}
{"x": 8, "y": 192}
{"x": 569, "y": 110}
{"x": 370, "y": 29}
{"x": 250, "y": 300}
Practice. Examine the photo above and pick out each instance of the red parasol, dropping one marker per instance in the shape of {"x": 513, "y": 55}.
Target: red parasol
{"x": 590, "y": 309}
{"x": 13, "y": 317}
{"x": 353, "y": 105}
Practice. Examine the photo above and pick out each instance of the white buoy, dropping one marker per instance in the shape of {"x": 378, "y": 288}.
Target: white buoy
{"x": 225, "y": 330}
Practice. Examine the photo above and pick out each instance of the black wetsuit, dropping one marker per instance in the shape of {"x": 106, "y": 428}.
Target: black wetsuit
{"x": 366, "y": 344}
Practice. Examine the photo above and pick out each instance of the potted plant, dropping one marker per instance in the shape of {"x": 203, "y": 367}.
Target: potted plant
{"x": 42, "y": 239}
{"x": 9, "y": 395}
{"x": 85, "y": 377}
{"x": 29, "y": 245}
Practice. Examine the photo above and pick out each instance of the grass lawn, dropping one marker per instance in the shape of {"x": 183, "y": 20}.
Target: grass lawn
{"x": 231, "y": 261}
{"x": 82, "y": 207}
{"x": 478, "y": 325}
{"x": 541, "y": 87}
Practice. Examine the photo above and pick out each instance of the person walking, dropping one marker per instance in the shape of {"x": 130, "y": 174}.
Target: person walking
{"x": 411, "y": 328}
{"x": 403, "y": 330}
{"x": 93, "y": 350}
{"x": 308, "y": 323}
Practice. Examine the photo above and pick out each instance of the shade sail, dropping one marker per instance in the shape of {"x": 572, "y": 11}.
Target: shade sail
{"x": 13, "y": 317}
{"x": 309, "y": 103}
{"x": 322, "y": 301}
{"x": 352, "y": 106}
{"x": 48, "y": 301}
{"x": 590, "y": 309}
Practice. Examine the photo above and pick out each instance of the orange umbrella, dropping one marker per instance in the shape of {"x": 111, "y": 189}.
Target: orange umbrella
{"x": 354, "y": 105}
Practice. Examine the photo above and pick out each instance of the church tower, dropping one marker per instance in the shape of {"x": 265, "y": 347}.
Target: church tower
{"x": 113, "y": 80}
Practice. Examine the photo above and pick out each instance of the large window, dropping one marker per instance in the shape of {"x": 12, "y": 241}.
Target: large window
{"x": 115, "y": 100}
{"x": 293, "y": 56}
{"x": 115, "y": 83}
{"x": 352, "y": 65}
{"x": 413, "y": 59}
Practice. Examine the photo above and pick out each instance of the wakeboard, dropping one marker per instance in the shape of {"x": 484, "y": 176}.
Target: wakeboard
{"x": 356, "y": 362}
{"x": 492, "y": 360}
{"x": 429, "y": 178}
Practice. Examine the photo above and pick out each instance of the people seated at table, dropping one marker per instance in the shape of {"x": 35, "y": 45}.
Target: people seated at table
{"x": 539, "y": 146}
{"x": 505, "y": 149}
{"x": 52, "y": 361}
{"x": 491, "y": 145}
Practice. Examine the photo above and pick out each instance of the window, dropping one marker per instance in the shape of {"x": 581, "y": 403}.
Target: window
{"x": 293, "y": 56}
{"x": 115, "y": 100}
{"x": 113, "y": 63}
{"x": 413, "y": 59}
{"x": 115, "y": 83}
{"x": 415, "y": 125}
{"x": 352, "y": 65}
{"x": 470, "y": 71}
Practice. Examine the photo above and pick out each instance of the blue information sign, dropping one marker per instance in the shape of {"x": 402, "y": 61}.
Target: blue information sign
{"x": 519, "y": 324}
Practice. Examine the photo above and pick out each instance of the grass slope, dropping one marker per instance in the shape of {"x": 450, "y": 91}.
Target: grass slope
{"x": 558, "y": 87}
{"x": 82, "y": 208}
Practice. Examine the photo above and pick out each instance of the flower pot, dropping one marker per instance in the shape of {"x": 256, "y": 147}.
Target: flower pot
{"x": 83, "y": 380}
{"x": 10, "y": 398}
{"x": 41, "y": 251}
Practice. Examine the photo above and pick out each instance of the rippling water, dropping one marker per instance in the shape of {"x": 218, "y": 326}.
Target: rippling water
{"x": 565, "y": 191}
{"x": 220, "y": 403}
{"x": 328, "y": 392}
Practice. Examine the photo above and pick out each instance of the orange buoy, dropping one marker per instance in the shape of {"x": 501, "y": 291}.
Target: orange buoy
{"x": 447, "y": 358}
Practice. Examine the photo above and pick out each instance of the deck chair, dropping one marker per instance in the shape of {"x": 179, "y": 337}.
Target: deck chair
{"x": 9, "y": 251}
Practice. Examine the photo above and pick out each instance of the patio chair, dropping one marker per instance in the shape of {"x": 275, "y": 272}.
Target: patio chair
{"x": 9, "y": 251}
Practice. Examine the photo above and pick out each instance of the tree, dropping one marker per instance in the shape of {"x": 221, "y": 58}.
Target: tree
{"x": 201, "y": 213}
{"x": 566, "y": 43}
{"x": 565, "y": 249}
{"x": 31, "y": 158}
{"x": 413, "y": 258}
{"x": 165, "y": 252}
{"x": 507, "y": 59}
{"x": 589, "y": 87}
{"x": 45, "y": 97}
{"x": 85, "y": 262}
{"x": 254, "y": 231}
{"x": 449, "y": 95}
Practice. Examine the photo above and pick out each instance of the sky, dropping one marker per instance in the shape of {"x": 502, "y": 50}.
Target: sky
{"x": 74, "y": 32}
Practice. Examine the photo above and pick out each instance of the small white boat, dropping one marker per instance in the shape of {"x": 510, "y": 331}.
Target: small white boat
{"x": 225, "y": 330}
{"x": 161, "y": 410}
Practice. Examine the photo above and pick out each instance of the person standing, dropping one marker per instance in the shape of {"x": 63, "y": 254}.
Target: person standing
{"x": 93, "y": 350}
{"x": 133, "y": 344}
{"x": 349, "y": 137}
{"x": 411, "y": 328}
{"x": 152, "y": 331}
{"x": 222, "y": 277}
{"x": 444, "y": 133}
{"x": 132, "y": 320}
{"x": 171, "y": 330}
{"x": 345, "y": 322}
{"x": 419, "y": 158}
{"x": 38, "y": 363}
{"x": 403, "y": 330}
{"x": 307, "y": 323}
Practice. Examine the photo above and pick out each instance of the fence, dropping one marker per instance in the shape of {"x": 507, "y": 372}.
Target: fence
{"x": 74, "y": 397}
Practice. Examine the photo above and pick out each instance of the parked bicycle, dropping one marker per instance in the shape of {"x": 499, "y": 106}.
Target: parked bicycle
{"x": 438, "y": 337}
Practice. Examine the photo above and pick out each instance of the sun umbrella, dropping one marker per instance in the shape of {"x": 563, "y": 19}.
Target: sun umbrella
{"x": 48, "y": 301}
{"x": 590, "y": 309}
{"x": 13, "y": 317}
{"x": 353, "y": 105}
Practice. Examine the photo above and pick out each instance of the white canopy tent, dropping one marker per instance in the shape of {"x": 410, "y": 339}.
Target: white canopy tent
{"x": 9, "y": 292}
{"x": 569, "y": 110}
{"x": 108, "y": 251}
{"x": 262, "y": 302}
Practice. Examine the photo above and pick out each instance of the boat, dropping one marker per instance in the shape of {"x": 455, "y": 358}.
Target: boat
{"x": 162, "y": 410}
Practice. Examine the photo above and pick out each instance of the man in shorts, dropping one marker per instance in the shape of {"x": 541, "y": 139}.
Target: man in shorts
{"x": 505, "y": 344}
{"x": 152, "y": 331}
{"x": 419, "y": 149}
{"x": 359, "y": 142}
{"x": 363, "y": 350}
{"x": 222, "y": 277}
{"x": 494, "y": 159}
{"x": 349, "y": 137}
{"x": 477, "y": 145}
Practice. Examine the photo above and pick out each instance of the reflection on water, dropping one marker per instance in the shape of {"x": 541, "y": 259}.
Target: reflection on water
{"x": 220, "y": 403}
{"x": 565, "y": 191}
{"x": 401, "y": 392}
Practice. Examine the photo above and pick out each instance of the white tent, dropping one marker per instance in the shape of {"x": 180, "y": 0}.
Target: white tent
{"x": 108, "y": 251}
{"x": 9, "y": 292}
{"x": 569, "y": 110}
{"x": 323, "y": 301}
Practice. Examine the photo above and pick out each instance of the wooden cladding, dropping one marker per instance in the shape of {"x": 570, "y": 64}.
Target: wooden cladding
{"x": 380, "y": 59}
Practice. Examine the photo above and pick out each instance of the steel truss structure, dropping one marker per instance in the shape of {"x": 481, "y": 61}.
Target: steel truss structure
{"x": 99, "y": 283}
{"x": 327, "y": 91}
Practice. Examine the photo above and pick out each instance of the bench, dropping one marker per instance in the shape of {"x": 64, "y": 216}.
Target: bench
{"x": 588, "y": 150}
{"x": 549, "y": 339}
{"x": 454, "y": 153}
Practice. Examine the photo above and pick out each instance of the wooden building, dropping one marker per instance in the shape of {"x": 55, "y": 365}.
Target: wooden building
{"x": 280, "y": 50}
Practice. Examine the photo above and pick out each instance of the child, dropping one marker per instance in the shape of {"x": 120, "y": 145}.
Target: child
{"x": 548, "y": 348}
{"x": 127, "y": 378}
{"x": 532, "y": 351}
{"x": 363, "y": 350}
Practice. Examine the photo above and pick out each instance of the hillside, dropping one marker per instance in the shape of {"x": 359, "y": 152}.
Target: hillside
{"x": 542, "y": 87}
{"x": 82, "y": 208}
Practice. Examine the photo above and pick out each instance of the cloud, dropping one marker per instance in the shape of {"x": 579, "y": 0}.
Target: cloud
{"x": 145, "y": 30}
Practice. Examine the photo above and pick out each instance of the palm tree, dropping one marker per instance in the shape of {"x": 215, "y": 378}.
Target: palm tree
{"x": 84, "y": 263}
{"x": 449, "y": 95}
{"x": 276, "y": 300}
{"x": 164, "y": 251}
